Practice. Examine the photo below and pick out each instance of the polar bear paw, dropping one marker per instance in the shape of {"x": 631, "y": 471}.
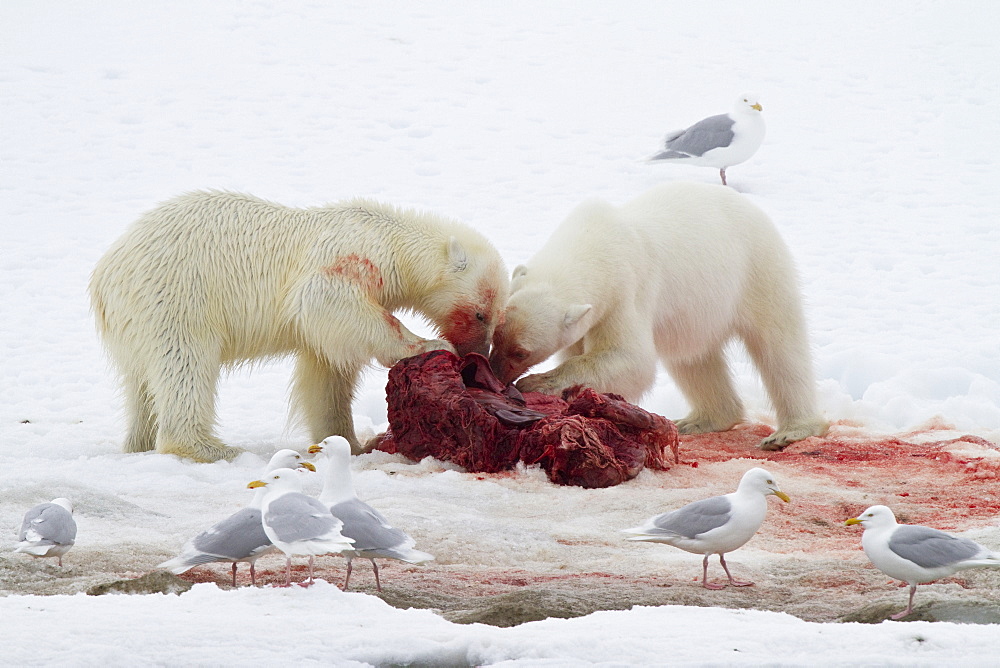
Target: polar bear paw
{"x": 788, "y": 434}
{"x": 428, "y": 345}
{"x": 203, "y": 451}
{"x": 543, "y": 383}
{"x": 701, "y": 424}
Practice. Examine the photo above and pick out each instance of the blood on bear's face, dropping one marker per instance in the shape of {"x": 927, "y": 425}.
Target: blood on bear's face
{"x": 534, "y": 326}
{"x": 470, "y": 324}
{"x": 468, "y": 303}
{"x": 508, "y": 359}
{"x": 527, "y": 335}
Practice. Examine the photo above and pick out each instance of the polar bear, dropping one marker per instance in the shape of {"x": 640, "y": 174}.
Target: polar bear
{"x": 211, "y": 279}
{"x": 673, "y": 274}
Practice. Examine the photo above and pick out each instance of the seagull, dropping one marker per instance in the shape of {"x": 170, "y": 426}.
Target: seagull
{"x": 296, "y": 523}
{"x": 373, "y": 535}
{"x": 239, "y": 537}
{"x": 715, "y": 525}
{"x": 917, "y": 554}
{"x": 719, "y": 141}
{"x": 48, "y": 530}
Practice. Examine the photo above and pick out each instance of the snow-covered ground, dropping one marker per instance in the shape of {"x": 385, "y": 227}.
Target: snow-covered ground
{"x": 879, "y": 168}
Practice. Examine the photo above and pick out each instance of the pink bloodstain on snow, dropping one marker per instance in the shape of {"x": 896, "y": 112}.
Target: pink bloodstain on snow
{"x": 933, "y": 476}
{"x": 951, "y": 484}
{"x": 358, "y": 270}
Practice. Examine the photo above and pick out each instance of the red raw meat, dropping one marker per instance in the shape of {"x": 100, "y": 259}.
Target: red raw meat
{"x": 455, "y": 409}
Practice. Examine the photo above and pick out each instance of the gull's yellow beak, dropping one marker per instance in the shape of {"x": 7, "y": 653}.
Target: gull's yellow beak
{"x": 782, "y": 496}
{"x": 757, "y": 107}
{"x": 308, "y": 466}
{"x": 257, "y": 483}
{"x": 853, "y": 520}
{"x": 315, "y": 449}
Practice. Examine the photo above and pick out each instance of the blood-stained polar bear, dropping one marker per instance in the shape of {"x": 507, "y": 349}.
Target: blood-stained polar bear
{"x": 215, "y": 278}
{"x": 674, "y": 274}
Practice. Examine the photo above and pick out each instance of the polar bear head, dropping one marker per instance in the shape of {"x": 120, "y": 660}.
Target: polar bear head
{"x": 536, "y": 324}
{"x": 468, "y": 300}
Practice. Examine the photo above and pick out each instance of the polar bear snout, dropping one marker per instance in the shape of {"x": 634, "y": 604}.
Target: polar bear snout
{"x": 503, "y": 368}
{"x": 468, "y": 332}
{"x": 508, "y": 360}
{"x": 476, "y": 310}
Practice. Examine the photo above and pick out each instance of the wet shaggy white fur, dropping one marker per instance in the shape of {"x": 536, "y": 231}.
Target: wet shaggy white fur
{"x": 215, "y": 278}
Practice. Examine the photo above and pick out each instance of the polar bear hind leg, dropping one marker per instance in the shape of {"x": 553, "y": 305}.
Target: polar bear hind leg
{"x": 183, "y": 387}
{"x": 708, "y": 387}
{"x": 141, "y": 416}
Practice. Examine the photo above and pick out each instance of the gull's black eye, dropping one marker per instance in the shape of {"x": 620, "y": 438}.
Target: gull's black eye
{"x": 480, "y": 317}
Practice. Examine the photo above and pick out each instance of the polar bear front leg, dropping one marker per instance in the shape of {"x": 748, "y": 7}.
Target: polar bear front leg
{"x": 706, "y": 384}
{"x": 781, "y": 354}
{"x": 323, "y": 396}
{"x": 347, "y": 327}
{"x": 397, "y": 342}
{"x": 629, "y": 373}
{"x": 787, "y": 374}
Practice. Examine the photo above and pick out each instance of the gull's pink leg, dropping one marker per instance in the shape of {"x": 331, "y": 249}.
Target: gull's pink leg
{"x": 909, "y": 606}
{"x": 378, "y": 585}
{"x": 735, "y": 583}
{"x": 234, "y": 573}
{"x": 253, "y": 575}
{"x": 704, "y": 576}
{"x": 722, "y": 173}
{"x": 312, "y": 560}
{"x": 288, "y": 572}
{"x": 348, "y": 578}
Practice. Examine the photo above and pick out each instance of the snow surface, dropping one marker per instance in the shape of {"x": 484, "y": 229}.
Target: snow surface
{"x": 879, "y": 168}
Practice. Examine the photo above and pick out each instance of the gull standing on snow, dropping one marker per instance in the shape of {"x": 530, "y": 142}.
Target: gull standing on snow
{"x": 719, "y": 141}
{"x": 373, "y": 535}
{"x": 239, "y": 537}
{"x": 715, "y": 525}
{"x": 296, "y": 523}
{"x": 917, "y": 554}
{"x": 48, "y": 530}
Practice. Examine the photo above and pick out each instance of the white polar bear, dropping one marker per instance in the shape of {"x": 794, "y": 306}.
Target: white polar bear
{"x": 213, "y": 278}
{"x": 673, "y": 274}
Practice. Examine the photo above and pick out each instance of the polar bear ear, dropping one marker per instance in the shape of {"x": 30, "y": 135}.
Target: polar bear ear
{"x": 574, "y": 314}
{"x": 519, "y": 270}
{"x": 456, "y": 255}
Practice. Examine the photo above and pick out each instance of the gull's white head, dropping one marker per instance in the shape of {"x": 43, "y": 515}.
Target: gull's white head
{"x": 288, "y": 459}
{"x": 747, "y": 102}
{"x": 876, "y": 517}
{"x": 65, "y": 503}
{"x": 332, "y": 446}
{"x": 283, "y": 479}
{"x": 759, "y": 480}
